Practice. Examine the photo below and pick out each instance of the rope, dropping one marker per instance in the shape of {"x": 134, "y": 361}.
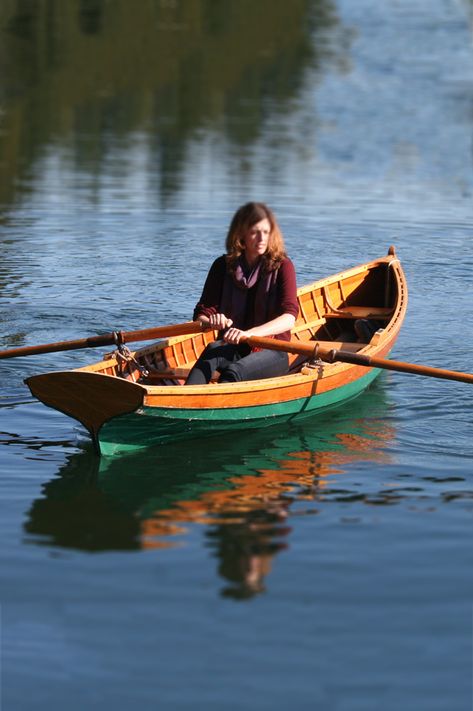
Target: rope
{"x": 124, "y": 356}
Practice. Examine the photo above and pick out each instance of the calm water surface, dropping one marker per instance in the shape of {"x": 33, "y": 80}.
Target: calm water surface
{"x": 322, "y": 565}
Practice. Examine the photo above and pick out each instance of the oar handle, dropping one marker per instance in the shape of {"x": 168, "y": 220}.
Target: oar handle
{"x": 178, "y": 329}
{"x": 108, "y": 339}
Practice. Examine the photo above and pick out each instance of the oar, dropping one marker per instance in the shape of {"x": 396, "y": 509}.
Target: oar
{"x": 108, "y": 339}
{"x": 330, "y": 356}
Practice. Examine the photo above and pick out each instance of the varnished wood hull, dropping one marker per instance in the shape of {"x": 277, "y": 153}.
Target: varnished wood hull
{"x": 124, "y": 410}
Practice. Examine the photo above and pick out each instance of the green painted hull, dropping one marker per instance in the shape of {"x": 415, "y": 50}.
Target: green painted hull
{"x": 150, "y": 426}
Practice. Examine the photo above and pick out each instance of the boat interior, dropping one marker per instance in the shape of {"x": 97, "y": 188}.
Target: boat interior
{"x": 347, "y": 312}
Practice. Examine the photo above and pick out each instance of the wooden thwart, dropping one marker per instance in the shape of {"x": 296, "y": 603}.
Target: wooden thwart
{"x": 361, "y": 312}
{"x": 167, "y": 374}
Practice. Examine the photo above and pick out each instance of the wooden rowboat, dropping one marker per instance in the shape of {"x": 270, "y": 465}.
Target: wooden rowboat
{"x": 135, "y": 400}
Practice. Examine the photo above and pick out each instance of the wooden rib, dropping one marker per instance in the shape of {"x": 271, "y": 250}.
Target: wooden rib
{"x": 315, "y": 306}
{"x": 194, "y": 348}
{"x": 328, "y": 298}
{"x": 302, "y": 309}
{"x": 318, "y": 311}
{"x": 174, "y": 354}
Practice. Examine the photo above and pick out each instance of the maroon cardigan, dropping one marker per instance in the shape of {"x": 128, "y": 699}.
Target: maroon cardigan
{"x": 284, "y": 299}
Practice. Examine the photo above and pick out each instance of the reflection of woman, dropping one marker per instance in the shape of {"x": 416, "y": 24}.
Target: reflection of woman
{"x": 251, "y": 291}
{"x": 246, "y": 549}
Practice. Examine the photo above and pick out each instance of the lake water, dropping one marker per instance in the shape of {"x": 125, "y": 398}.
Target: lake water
{"x": 326, "y": 565}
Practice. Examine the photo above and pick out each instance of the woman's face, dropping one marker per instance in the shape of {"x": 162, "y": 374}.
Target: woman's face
{"x": 256, "y": 240}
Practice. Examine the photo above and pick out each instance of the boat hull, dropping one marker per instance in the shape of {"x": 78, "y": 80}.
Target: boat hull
{"x": 151, "y": 426}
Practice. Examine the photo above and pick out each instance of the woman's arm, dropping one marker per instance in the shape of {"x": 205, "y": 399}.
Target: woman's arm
{"x": 211, "y": 293}
{"x": 282, "y": 323}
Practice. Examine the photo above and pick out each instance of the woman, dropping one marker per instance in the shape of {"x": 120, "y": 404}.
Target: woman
{"x": 249, "y": 291}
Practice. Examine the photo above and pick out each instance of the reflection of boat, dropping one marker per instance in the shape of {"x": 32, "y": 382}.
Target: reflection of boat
{"x": 239, "y": 489}
{"x": 132, "y": 404}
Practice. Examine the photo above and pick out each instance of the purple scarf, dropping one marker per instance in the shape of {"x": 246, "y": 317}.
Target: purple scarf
{"x": 235, "y": 294}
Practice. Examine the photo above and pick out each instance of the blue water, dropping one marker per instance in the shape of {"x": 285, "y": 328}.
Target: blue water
{"x": 323, "y": 565}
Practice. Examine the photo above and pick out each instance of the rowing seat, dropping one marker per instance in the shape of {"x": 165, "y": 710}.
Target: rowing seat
{"x": 355, "y": 312}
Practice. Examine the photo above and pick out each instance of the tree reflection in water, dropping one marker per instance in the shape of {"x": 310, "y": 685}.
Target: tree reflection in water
{"x": 88, "y": 80}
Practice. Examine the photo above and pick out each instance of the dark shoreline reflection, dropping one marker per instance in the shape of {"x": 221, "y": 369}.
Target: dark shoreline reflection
{"x": 86, "y": 76}
{"x": 240, "y": 489}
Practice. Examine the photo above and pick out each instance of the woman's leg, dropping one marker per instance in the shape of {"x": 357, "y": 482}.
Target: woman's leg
{"x": 216, "y": 356}
{"x": 260, "y": 364}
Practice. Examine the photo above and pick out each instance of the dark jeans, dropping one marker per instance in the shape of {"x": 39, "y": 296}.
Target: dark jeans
{"x": 236, "y": 363}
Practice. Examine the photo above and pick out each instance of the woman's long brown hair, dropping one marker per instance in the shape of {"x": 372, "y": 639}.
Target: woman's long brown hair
{"x": 245, "y": 217}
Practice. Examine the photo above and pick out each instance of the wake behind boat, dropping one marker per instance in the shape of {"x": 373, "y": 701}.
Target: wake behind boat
{"x": 130, "y": 400}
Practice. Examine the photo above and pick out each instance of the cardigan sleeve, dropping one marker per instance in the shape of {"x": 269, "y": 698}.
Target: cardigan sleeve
{"x": 209, "y": 302}
{"x": 287, "y": 289}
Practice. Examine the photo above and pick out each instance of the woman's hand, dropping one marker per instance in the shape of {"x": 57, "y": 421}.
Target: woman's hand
{"x": 234, "y": 335}
{"x": 217, "y": 322}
